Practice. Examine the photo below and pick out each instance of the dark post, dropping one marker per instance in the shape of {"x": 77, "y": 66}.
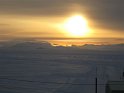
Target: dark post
{"x": 122, "y": 75}
{"x": 96, "y": 85}
{"x": 96, "y": 82}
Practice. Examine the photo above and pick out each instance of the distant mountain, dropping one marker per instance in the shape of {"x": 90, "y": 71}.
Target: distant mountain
{"x": 27, "y": 45}
{"x": 104, "y": 47}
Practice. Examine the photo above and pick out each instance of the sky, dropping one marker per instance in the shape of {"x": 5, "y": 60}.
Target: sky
{"x": 44, "y": 19}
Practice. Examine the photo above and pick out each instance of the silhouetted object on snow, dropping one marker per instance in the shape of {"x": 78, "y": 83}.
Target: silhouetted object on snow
{"x": 115, "y": 87}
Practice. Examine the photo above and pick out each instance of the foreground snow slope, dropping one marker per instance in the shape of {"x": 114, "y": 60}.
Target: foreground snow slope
{"x": 41, "y": 68}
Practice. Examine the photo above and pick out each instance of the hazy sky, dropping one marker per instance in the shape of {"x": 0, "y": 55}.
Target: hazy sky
{"x": 39, "y": 18}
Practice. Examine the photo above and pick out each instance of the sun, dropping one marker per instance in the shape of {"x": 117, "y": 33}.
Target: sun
{"x": 76, "y": 26}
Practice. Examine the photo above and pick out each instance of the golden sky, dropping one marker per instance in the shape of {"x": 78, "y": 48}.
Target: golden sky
{"x": 45, "y": 19}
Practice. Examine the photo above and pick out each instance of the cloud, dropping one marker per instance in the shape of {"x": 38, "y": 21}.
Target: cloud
{"x": 32, "y": 44}
{"x": 107, "y": 14}
{"x": 34, "y": 7}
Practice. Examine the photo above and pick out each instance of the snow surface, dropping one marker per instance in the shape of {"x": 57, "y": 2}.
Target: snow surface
{"x": 41, "y": 68}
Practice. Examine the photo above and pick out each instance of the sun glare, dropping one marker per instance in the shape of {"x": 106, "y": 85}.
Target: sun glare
{"x": 76, "y": 26}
